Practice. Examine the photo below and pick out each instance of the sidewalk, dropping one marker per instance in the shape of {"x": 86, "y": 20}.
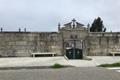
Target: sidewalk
{"x": 45, "y": 62}
{"x": 30, "y": 62}
{"x": 96, "y": 60}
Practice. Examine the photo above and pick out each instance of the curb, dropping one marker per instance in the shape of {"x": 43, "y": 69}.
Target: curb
{"x": 31, "y": 67}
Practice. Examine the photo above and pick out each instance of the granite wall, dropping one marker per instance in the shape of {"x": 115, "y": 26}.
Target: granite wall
{"x": 102, "y": 43}
{"x": 24, "y": 43}
{"x": 20, "y": 44}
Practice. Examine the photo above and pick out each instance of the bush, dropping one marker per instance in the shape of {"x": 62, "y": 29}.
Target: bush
{"x": 56, "y": 65}
{"x": 110, "y": 65}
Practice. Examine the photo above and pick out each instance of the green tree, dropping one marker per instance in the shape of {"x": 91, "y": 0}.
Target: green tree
{"x": 97, "y": 26}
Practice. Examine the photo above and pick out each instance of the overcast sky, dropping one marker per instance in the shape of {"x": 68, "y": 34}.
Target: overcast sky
{"x": 44, "y": 15}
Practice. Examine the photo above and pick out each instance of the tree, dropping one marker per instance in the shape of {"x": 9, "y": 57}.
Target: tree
{"x": 97, "y": 26}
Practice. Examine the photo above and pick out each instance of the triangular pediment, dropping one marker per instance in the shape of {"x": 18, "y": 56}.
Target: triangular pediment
{"x": 73, "y": 25}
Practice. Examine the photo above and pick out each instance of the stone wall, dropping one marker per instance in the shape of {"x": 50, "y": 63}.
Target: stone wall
{"x": 72, "y": 34}
{"x": 25, "y": 43}
{"x": 102, "y": 43}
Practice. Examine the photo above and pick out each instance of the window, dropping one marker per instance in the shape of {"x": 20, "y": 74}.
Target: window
{"x": 76, "y": 37}
{"x": 71, "y": 36}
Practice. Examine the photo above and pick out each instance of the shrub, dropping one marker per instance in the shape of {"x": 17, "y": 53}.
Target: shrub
{"x": 110, "y": 65}
{"x": 56, "y": 65}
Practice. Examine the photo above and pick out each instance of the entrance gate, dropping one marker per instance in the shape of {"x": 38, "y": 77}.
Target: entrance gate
{"x": 74, "y": 53}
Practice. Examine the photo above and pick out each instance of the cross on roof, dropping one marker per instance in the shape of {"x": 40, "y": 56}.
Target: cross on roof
{"x": 73, "y": 20}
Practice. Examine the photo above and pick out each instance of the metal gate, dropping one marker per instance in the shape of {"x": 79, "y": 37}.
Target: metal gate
{"x": 74, "y": 53}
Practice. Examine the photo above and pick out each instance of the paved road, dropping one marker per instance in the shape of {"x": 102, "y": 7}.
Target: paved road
{"x": 115, "y": 68}
{"x": 91, "y": 73}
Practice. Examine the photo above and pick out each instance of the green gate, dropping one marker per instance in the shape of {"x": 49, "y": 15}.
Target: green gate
{"x": 74, "y": 53}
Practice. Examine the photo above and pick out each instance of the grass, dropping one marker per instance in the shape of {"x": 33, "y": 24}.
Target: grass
{"x": 56, "y": 65}
{"x": 117, "y": 64}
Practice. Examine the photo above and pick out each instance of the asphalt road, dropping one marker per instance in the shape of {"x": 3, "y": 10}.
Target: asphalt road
{"x": 93, "y": 73}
